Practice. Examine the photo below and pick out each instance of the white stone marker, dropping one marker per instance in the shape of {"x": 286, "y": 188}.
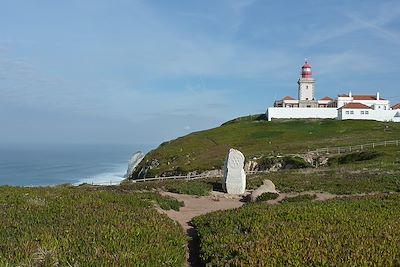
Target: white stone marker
{"x": 234, "y": 180}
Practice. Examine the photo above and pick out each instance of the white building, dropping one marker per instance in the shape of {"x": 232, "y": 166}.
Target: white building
{"x": 359, "y": 107}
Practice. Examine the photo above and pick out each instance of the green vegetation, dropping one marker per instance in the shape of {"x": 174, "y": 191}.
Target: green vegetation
{"x": 267, "y": 196}
{"x": 287, "y": 162}
{"x": 353, "y": 157}
{"x": 300, "y": 198}
{"x": 344, "y": 232}
{"x": 332, "y": 180}
{"x": 87, "y": 226}
{"x": 380, "y": 174}
{"x": 258, "y": 138}
{"x": 189, "y": 187}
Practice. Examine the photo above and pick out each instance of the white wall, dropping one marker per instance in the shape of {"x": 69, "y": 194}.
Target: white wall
{"x": 300, "y": 113}
{"x": 378, "y": 115}
{"x": 382, "y": 103}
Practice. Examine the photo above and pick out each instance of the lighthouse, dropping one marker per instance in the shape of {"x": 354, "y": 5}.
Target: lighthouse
{"x": 306, "y": 87}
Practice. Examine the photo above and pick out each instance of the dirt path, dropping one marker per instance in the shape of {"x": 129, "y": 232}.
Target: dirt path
{"x": 196, "y": 206}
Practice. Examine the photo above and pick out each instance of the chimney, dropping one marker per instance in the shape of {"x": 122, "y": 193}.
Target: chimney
{"x": 377, "y": 96}
{"x": 350, "y": 94}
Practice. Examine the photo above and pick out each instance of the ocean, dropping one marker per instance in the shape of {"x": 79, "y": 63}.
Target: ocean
{"x": 48, "y": 165}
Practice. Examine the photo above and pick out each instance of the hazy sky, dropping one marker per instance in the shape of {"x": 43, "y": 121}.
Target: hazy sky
{"x": 95, "y": 71}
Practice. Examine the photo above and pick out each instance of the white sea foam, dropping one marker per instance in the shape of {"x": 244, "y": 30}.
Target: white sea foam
{"x": 114, "y": 177}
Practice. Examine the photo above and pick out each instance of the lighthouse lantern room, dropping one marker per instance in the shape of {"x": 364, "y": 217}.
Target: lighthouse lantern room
{"x": 306, "y": 87}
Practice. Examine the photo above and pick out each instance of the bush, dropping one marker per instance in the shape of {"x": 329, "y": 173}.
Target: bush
{"x": 300, "y": 198}
{"x": 353, "y": 157}
{"x": 295, "y": 163}
{"x": 267, "y": 196}
{"x": 287, "y": 162}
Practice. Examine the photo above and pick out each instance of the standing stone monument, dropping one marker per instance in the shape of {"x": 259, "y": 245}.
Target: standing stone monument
{"x": 234, "y": 180}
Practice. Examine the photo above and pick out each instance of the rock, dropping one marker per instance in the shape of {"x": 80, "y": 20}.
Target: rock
{"x": 147, "y": 167}
{"x": 133, "y": 163}
{"x": 251, "y": 166}
{"x": 234, "y": 179}
{"x": 267, "y": 187}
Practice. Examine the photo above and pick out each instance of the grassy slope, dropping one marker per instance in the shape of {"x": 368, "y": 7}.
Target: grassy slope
{"x": 207, "y": 149}
{"x": 65, "y": 226}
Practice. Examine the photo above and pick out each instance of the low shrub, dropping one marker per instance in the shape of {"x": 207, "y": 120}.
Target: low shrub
{"x": 299, "y": 198}
{"x": 267, "y": 196}
{"x": 287, "y": 162}
{"x": 353, "y": 157}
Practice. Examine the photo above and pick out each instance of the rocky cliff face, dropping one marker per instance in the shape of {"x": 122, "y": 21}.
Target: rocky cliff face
{"x": 133, "y": 163}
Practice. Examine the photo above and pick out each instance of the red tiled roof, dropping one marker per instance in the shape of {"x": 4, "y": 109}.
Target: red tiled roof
{"x": 364, "y": 97}
{"x": 355, "y": 106}
{"x": 397, "y": 106}
{"x": 288, "y": 98}
{"x": 326, "y": 98}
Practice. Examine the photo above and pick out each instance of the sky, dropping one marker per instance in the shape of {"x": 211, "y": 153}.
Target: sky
{"x": 144, "y": 72}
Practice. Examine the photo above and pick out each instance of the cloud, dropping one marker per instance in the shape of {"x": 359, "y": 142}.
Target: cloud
{"x": 239, "y": 6}
{"x": 353, "y": 21}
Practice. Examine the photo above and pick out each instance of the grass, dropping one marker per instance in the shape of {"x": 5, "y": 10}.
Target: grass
{"x": 380, "y": 174}
{"x": 87, "y": 226}
{"x": 196, "y": 188}
{"x": 206, "y": 150}
{"x": 191, "y": 187}
{"x": 346, "y": 232}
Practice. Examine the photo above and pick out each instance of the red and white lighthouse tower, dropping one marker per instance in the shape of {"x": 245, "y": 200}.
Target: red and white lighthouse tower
{"x": 306, "y": 86}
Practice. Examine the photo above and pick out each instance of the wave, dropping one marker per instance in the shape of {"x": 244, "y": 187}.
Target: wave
{"x": 106, "y": 178}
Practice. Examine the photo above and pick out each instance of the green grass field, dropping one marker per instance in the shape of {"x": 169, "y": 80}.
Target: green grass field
{"x": 85, "y": 226}
{"x": 206, "y": 150}
{"x": 347, "y": 232}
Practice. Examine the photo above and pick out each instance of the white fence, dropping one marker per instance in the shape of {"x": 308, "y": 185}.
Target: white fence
{"x": 346, "y": 149}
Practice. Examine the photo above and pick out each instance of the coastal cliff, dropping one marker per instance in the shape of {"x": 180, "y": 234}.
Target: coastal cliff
{"x": 263, "y": 143}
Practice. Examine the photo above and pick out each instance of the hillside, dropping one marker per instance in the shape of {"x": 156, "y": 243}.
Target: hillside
{"x": 256, "y": 137}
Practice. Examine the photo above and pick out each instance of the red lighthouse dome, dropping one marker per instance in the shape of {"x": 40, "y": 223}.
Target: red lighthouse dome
{"x": 306, "y": 70}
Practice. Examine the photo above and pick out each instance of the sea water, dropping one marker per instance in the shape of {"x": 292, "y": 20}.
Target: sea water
{"x": 46, "y": 165}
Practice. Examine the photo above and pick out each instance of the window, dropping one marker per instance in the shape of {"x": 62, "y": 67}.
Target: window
{"x": 306, "y": 86}
{"x": 351, "y": 112}
{"x": 366, "y": 112}
{"x": 347, "y": 112}
{"x": 362, "y": 111}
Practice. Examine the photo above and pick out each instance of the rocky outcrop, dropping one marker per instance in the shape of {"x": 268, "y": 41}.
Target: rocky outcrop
{"x": 251, "y": 166}
{"x": 316, "y": 160}
{"x": 145, "y": 170}
{"x": 267, "y": 187}
{"x": 133, "y": 163}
